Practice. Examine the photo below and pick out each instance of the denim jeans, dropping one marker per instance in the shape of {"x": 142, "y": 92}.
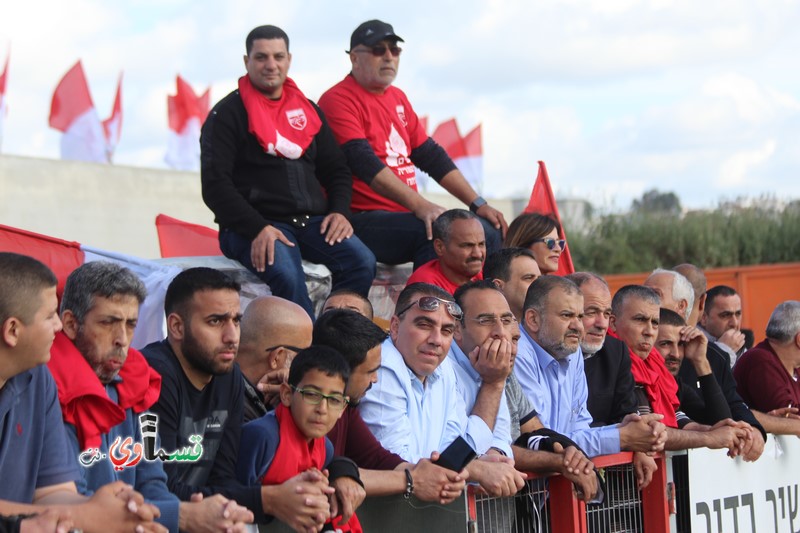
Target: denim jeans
{"x": 397, "y": 238}
{"x": 350, "y": 261}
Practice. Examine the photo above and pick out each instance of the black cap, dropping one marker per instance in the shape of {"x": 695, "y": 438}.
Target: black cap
{"x": 372, "y": 32}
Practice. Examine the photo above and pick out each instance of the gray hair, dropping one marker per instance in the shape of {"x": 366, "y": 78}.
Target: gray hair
{"x": 441, "y": 226}
{"x": 539, "y": 290}
{"x": 98, "y": 278}
{"x": 633, "y": 291}
{"x": 784, "y": 323}
{"x": 681, "y": 289}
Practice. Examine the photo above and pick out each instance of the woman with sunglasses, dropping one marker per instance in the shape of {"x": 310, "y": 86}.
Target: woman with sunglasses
{"x": 539, "y": 234}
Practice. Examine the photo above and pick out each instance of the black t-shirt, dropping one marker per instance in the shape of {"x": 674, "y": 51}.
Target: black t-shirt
{"x": 214, "y": 413}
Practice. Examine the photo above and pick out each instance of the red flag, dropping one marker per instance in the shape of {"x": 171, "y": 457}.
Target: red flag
{"x": 543, "y": 202}
{"x": 71, "y": 99}
{"x": 473, "y": 142}
{"x": 3, "y": 78}
{"x": 447, "y": 135}
{"x": 186, "y": 114}
{"x": 177, "y": 238}
{"x": 112, "y": 126}
{"x": 72, "y": 112}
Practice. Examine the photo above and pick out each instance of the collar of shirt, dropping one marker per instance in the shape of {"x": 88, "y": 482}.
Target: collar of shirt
{"x": 463, "y": 361}
{"x": 546, "y": 360}
{"x": 432, "y": 378}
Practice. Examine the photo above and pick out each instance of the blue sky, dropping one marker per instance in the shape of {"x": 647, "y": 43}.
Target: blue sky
{"x": 616, "y": 96}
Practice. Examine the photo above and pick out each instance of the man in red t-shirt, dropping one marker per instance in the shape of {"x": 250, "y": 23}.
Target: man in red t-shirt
{"x": 384, "y": 140}
{"x": 460, "y": 246}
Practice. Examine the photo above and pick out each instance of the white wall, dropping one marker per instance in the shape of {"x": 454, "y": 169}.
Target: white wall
{"x": 109, "y": 206}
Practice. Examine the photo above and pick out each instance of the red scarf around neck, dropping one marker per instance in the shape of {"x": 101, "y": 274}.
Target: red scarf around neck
{"x": 659, "y": 385}
{"x": 294, "y": 455}
{"x": 284, "y": 127}
{"x": 84, "y": 401}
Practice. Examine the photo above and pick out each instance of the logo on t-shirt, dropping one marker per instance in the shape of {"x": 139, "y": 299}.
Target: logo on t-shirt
{"x": 401, "y": 114}
{"x": 397, "y": 157}
{"x": 297, "y": 118}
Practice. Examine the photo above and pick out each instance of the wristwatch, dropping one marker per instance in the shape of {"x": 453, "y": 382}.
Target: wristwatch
{"x": 476, "y": 204}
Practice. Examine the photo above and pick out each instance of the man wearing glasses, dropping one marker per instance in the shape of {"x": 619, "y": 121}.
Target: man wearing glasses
{"x": 384, "y": 140}
{"x": 415, "y": 408}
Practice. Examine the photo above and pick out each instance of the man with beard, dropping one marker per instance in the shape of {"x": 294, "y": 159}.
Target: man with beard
{"x": 460, "y": 248}
{"x": 202, "y": 394}
{"x": 103, "y": 384}
{"x": 549, "y": 366}
{"x": 382, "y": 472}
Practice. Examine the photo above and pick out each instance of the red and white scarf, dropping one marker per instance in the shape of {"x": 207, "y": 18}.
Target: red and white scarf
{"x": 284, "y": 127}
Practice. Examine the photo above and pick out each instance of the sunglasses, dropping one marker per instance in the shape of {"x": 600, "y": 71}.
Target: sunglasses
{"x": 432, "y": 303}
{"x": 551, "y": 242}
{"x": 379, "y": 50}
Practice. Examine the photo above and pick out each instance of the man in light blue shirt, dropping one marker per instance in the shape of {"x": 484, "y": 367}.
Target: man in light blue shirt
{"x": 415, "y": 408}
{"x": 549, "y": 367}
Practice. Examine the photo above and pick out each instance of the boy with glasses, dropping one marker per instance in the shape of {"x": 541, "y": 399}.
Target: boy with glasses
{"x": 291, "y": 440}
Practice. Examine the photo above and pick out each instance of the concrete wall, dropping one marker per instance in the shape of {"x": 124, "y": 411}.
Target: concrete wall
{"x": 109, "y": 206}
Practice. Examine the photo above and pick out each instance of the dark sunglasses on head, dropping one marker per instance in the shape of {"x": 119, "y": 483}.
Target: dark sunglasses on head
{"x": 431, "y": 303}
{"x": 379, "y": 50}
{"x": 551, "y": 242}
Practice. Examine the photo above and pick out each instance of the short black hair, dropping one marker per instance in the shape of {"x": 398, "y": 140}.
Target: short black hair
{"x": 184, "y": 286}
{"x": 716, "y": 292}
{"x": 22, "y": 279}
{"x": 351, "y": 292}
{"x": 420, "y": 289}
{"x": 498, "y": 264}
{"x": 322, "y": 358}
{"x": 350, "y": 333}
{"x": 668, "y": 317}
{"x": 441, "y": 226}
{"x": 479, "y": 285}
{"x": 579, "y": 278}
{"x": 540, "y": 289}
{"x": 633, "y": 291}
{"x": 265, "y": 32}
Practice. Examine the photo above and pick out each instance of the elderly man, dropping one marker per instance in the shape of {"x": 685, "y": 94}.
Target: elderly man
{"x": 103, "y": 385}
{"x": 273, "y": 330}
{"x": 384, "y": 140}
{"x": 202, "y": 394}
{"x": 512, "y": 270}
{"x": 277, "y": 182}
{"x": 697, "y": 278}
{"x": 674, "y": 291}
{"x": 38, "y": 474}
{"x": 460, "y": 249}
{"x": 416, "y": 408}
{"x": 767, "y": 375}
{"x": 721, "y": 321}
{"x": 634, "y": 320}
{"x": 549, "y": 366}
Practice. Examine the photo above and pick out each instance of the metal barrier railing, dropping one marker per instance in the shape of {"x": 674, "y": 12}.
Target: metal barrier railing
{"x": 545, "y": 504}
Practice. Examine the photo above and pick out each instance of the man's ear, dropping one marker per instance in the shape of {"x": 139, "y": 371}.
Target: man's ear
{"x": 286, "y": 394}
{"x": 457, "y": 332}
{"x": 702, "y": 304}
{"x": 70, "y": 324}
{"x": 533, "y": 321}
{"x": 12, "y": 329}
{"x": 612, "y": 323}
{"x": 394, "y": 327}
{"x": 438, "y": 247}
{"x": 499, "y": 283}
{"x": 175, "y": 327}
{"x": 246, "y": 59}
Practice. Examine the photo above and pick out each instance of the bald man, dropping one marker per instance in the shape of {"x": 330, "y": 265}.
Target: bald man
{"x": 273, "y": 330}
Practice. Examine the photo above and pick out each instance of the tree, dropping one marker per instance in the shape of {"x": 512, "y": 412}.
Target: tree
{"x": 654, "y": 201}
